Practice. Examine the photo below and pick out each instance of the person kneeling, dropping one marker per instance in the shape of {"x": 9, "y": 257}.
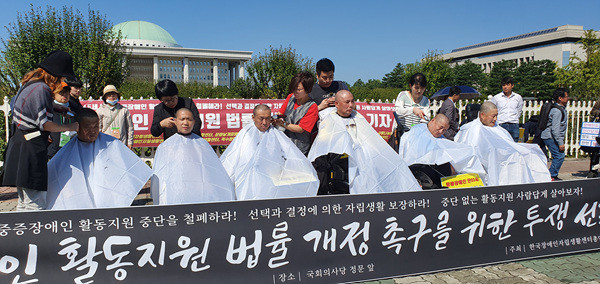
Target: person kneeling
{"x": 187, "y": 170}
{"x": 95, "y": 170}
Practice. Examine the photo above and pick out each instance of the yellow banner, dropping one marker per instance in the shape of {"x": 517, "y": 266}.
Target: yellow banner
{"x": 462, "y": 180}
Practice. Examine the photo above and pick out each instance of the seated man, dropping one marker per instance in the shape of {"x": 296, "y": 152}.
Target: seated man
{"x": 95, "y": 170}
{"x": 186, "y": 169}
{"x": 372, "y": 165}
{"x": 505, "y": 161}
{"x": 421, "y": 146}
{"x": 264, "y": 163}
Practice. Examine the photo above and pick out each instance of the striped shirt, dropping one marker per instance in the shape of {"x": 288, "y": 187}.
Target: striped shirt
{"x": 404, "y": 109}
{"x": 33, "y": 107}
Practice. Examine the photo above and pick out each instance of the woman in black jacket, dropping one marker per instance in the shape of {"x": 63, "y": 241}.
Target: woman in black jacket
{"x": 163, "y": 120}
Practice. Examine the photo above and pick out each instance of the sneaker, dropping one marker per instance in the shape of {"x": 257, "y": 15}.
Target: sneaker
{"x": 556, "y": 179}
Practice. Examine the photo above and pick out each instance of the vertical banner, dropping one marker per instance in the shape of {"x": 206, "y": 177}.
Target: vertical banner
{"x": 222, "y": 119}
{"x": 328, "y": 239}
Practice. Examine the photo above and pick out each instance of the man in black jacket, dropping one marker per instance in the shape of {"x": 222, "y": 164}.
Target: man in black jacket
{"x": 163, "y": 120}
{"x": 451, "y": 112}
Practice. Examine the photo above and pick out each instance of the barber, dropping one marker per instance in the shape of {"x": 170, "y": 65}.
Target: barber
{"x": 32, "y": 112}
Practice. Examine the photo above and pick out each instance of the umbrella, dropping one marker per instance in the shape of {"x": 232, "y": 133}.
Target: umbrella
{"x": 466, "y": 93}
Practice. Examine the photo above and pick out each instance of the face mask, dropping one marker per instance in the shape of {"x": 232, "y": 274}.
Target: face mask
{"x": 62, "y": 104}
{"x": 112, "y": 103}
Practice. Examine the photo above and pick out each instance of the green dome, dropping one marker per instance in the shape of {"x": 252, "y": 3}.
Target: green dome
{"x": 144, "y": 33}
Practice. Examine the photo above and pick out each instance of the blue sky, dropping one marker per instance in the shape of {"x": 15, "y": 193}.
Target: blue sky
{"x": 365, "y": 39}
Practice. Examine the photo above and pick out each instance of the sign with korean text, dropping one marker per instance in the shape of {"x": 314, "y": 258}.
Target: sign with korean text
{"x": 222, "y": 119}
{"x": 462, "y": 181}
{"x": 589, "y": 132}
{"x": 302, "y": 240}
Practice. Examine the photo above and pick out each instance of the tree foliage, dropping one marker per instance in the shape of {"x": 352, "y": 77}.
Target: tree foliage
{"x": 469, "y": 74}
{"x": 99, "y": 57}
{"x": 536, "y": 79}
{"x": 270, "y": 73}
{"x": 396, "y": 78}
{"x": 582, "y": 76}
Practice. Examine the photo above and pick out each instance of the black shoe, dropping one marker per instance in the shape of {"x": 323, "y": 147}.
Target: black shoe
{"x": 592, "y": 174}
{"x": 556, "y": 179}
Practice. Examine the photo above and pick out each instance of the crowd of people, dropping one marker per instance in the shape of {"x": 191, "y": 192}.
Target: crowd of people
{"x": 63, "y": 156}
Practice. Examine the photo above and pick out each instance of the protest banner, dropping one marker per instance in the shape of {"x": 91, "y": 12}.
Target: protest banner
{"x": 314, "y": 240}
{"x": 222, "y": 119}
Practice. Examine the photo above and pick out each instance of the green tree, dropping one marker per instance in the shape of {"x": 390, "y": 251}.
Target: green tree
{"x": 437, "y": 71}
{"x": 536, "y": 79}
{"x": 582, "y": 76}
{"x": 99, "y": 57}
{"x": 359, "y": 83}
{"x": 396, "y": 78}
{"x": 500, "y": 70}
{"x": 469, "y": 74}
{"x": 271, "y": 72}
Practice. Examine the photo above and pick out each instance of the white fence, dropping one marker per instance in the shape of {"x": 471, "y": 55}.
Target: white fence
{"x": 578, "y": 112}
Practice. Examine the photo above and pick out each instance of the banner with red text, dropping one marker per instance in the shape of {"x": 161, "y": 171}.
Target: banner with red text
{"x": 222, "y": 119}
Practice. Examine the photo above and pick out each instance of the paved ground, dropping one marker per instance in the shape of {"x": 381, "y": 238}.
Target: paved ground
{"x": 578, "y": 268}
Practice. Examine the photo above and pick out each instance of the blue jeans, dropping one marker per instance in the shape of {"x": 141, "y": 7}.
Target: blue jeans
{"x": 557, "y": 156}
{"x": 513, "y": 129}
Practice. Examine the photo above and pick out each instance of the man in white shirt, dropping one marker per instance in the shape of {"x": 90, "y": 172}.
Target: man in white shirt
{"x": 510, "y": 107}
{"x": 264, "y": 163}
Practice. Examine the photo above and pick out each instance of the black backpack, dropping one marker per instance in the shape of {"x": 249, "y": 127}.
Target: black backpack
{"x": 545, "y": 115}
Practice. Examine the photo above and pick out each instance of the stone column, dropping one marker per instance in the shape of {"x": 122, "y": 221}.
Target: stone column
{"x": 215, "y": 72}
{"x": 155, "y": 70}
{"x": 186, "y": 70}
{"x": 242, "y": 75}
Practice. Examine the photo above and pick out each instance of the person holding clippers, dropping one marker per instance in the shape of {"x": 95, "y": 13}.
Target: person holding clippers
{"x": 32, "y": 112}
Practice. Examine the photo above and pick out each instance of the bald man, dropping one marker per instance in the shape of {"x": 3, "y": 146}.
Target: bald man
{"x": 372, "y": 166}
{"x": 424, "y": 145}
{"x": 505, "y": 161}
{"x": 186, "y": 169}
{"x": 95, "y": 170}
{"x": 264, "y": 163}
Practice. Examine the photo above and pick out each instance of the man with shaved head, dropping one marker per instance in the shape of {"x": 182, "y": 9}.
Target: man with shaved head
{"x": 370, "y": 164}
{"x": 94, "y": 170}
{"x": 505, "y": 161}
{"x": 424, "y": 144}
{"x": 186, "y": 169}
{"x": 264, "y": 163}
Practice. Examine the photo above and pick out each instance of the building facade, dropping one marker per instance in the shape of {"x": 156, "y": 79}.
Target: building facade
{"x": 556, "y": 44}
{"x": 155, "y": 55}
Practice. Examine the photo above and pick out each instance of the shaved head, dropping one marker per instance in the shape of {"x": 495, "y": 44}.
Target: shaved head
{"x": 261, "y": 107}
{"x": 344, "y": 103}
{"x": 438, "y": 125}
{"x": 181, "y": 111}
{"x": 488, "y": 114}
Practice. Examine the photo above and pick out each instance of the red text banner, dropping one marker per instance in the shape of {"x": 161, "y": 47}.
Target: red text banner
{"x": 222, "y": 119}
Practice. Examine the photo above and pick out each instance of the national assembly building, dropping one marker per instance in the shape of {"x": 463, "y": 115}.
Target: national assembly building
{"x": 155, "y": 55}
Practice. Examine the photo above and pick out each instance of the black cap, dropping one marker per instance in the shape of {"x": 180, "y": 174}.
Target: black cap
{"x": 59, "y": 64}
{"x": 74, "y": 82}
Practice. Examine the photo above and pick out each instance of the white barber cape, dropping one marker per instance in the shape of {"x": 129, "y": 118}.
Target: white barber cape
{"x": 268, "y": 165}
{"x": 505, "y": 161}
{"x": 418, "y": 146}
{"x": 187, "y": 170}
{"x": 373, "y": 166}
{"x": 99, "y": 174}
